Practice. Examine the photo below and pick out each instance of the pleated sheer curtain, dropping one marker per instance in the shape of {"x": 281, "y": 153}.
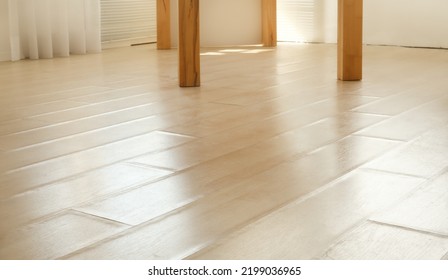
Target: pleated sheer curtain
{"x": 51, "y": 28}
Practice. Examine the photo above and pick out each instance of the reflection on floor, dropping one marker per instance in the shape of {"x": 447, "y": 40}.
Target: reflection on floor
{"x": 103, "y": 156}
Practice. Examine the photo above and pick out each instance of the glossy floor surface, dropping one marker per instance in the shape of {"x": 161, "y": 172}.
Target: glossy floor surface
{"x": 103, "y": 156}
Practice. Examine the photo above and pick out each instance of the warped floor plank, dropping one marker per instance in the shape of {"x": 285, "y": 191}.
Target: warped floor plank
{"x": 103, "y": 156}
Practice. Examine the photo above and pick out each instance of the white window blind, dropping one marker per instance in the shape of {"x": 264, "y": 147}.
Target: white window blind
{"x": 126, "y": 22}
{"x": 296, "y": 20}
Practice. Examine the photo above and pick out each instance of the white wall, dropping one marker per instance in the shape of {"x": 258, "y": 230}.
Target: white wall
{"x": 237, "y": 22}
{"x": 4, "y": 30}
{"x": 422, "y": 23}
{"x": 230, "y": 22}
{"x": 225, "y": 22}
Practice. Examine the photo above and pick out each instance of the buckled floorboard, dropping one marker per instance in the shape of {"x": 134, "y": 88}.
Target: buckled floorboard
{"x": 103, "y": 156}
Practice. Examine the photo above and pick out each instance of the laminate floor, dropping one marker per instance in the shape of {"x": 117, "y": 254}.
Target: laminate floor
{"x": 103, "y": 156}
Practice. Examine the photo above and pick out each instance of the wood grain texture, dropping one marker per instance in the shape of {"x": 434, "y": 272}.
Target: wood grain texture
{"x": 53, "y": 198}
{"x": 189, "y": 44}
{"x": 17, "y": 181}
{"x": 179, "y": 234}
{"x": 425, "y": 156}
{"x": 267, "y": 113}
{"x": 425, "y": 210}
{"x": 350, "y": 19}
{"x": 412, "y": 123}
{"x": 17, "y": 126}
{"x": 247, "y": 134}
{"x": 38, "y": 109}
{"x": 306, "y": 227}
{"x": 445, "y": 257}
{"x": 76, "y": 143}
{"x": 56, "y": 236}
{"x": 114, "y": 135}
{"x": 211, "y": 175}
{"x": 269, "y": 22}
{"x": 238, "y": 202}
{"x": 373, "y": 241}
{"x": 163, "y": 24}
{"x": 400, "y": 102}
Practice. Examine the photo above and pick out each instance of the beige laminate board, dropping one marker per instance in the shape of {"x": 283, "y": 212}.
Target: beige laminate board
{"x": 35, "y": 132}
{"x": 212, "y": 175}
{"x": 56, "y": 197}
{"x": 213, "y": 146}
{"x": 32, "y": 110}
{"x": 425, "y": 210}
{"x": 50, "y": 133}
{"x": 80, "y": 142}
{"x": 217, "y": 144}
{"x": 56, "y": 237}
{"x": 252, "y": 83}
{"x": 272, "y": 126}
{"x": 18, "y": 126}
{"x": 179, "y": 234}
{"x": 205, "y": 126}
{"x": 158, "y": 107}
{"x": 412, "y": 123}
{"x": 209, "y": 175}
{"x": 208, "y": 93}
{"x": 201, "y": 94}
{"x": 20, "y": 180}
{"x": 243, "y": 115}
{"x": 28, "y": 99}
{"x": 252, "y": 98}
{"x": 400, "y": 102}
{"x": 265, "y": 110}
{"x": 445, "y": 257}
{"x": 254, "y": 132}
{"x": 198, "y": 110}
{"x": 306, "y": 227}
{"x": 294, "y": 179}
{"x": 426, "y": 156}
{"x": 199, "y": 225}
{"x": 373, "y": 241}
{"x": 302, "y": 174}
{"x": 130, "y": 82}
{"x": 96, "y": 109}
{"x": 113, "y": 94}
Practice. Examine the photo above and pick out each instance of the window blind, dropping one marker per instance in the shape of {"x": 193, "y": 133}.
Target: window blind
{"x": 296, "y": 20}
{"x": 126, "y": 22}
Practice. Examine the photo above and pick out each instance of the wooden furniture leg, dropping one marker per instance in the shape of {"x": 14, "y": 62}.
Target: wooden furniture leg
{"x": 189, "y": 44}
{"x": 269, "y": 23}
{"x": 163, "y": 25}
{"x": 350, "y": 15}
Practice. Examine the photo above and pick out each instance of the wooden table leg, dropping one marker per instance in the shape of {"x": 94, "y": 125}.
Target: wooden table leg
{"x": 269, "y": 22}
{"x": 163, "y": 25}
{"x": 350, "y": 15}
{"x": 189, "y": 46}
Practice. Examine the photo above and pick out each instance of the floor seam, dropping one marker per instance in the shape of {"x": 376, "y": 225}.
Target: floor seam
{"x": 100, "y": 217}
{"x": 411, "y": 229}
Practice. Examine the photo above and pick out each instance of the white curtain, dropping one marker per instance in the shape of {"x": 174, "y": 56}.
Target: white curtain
{"x": 49, "y": 28}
